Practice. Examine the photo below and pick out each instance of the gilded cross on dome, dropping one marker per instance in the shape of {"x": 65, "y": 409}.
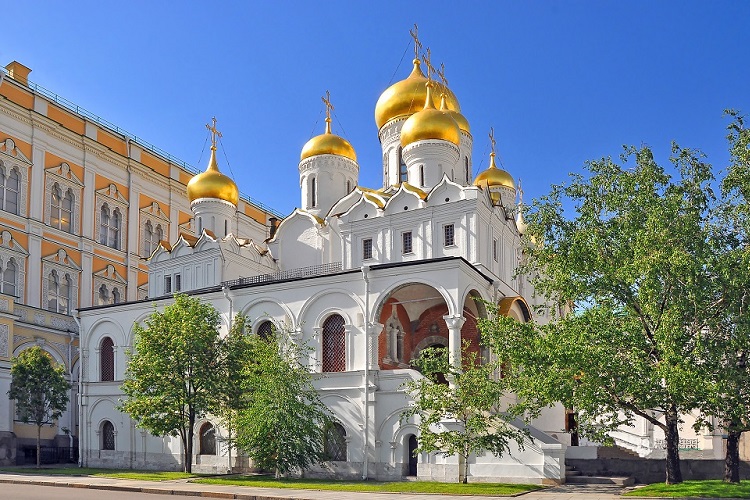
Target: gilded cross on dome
{"x": 214, "y": 132}
{"x": 329, "y": 106}
{"x": 492, "y": 139}
{"x": 441, "y": 74}
{"x": 428, "y": 63}
{"x": 417, "y": 44}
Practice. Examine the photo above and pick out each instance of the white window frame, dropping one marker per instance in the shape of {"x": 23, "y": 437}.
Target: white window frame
{"x": 64, "y": 177}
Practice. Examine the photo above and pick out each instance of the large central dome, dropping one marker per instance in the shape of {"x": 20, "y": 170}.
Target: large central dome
{"x": 406, "y": 97}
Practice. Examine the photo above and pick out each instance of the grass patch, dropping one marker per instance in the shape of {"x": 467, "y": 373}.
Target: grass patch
{"x": 147, "y": 475}
{"x": 708, "y": 489}
{"x": 386, "y": 487}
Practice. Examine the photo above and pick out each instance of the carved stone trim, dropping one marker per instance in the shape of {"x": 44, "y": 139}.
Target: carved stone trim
{"x": 4, "y": 334}
{"x": 11, "y": 249}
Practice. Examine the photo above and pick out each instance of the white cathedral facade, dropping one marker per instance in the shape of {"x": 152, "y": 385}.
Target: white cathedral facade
{"x": 366, "y": 277}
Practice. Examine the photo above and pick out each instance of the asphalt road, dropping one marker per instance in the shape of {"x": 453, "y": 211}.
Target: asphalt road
{"x": 33, "y": 492}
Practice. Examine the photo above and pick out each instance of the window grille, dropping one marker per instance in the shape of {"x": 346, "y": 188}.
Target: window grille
{"x": 406, "y": 242}
{"x": 334, "y": 344}
{"x": 367, "y": 248}
{"x": 335, "y": 442}
{"x": 265, "y": 330}
{"x": 108, "y": 435}
{"x": 208, "y": 439}
{"x": 107, "y": 359}
{"x": 449, "y": 235}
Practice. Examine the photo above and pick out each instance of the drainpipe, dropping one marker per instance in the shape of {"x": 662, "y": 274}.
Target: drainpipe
{"x": 81, "y": 429}
{"x": 366, "y": 447}
{"x": 70, "y": 364}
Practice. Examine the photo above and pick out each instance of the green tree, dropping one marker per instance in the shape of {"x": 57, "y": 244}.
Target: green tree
{"x": 462, "y": 417}
{"x": 236, "y": 359}
{"x": 632, "y": 267}
{"x": 39, "y": 389}
{"x": 173, "y": 374}
{"x": 728, "y": 348}
{"x": 281, "y": 428}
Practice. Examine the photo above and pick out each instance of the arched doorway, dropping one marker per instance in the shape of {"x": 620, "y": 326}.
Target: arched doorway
{"x": 412, "y": 455}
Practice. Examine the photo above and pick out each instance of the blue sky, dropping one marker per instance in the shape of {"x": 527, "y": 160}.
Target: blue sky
{"x": 560, "y": 82}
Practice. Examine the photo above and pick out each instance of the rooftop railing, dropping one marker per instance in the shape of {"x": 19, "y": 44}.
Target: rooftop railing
{"x": 301, "y": 272}
{"x": 73, "y": 107}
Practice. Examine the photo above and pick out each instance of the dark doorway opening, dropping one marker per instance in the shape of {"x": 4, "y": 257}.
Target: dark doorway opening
{"x": 412, "y": 455}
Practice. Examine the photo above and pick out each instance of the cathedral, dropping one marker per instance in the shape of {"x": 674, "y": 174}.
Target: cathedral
{"x": 365, "y": 276}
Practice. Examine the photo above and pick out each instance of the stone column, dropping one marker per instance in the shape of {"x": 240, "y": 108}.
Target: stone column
{"x": 454, "y": 339}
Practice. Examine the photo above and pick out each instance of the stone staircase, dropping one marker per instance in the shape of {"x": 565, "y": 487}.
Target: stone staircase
{"x": 573, "y": 476}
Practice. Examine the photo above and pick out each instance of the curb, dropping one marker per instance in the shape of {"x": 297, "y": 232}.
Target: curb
{"x": 137, "y": 489}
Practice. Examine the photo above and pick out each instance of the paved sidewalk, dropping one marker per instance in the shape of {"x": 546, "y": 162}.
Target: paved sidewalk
{"x": 185, "y": 488}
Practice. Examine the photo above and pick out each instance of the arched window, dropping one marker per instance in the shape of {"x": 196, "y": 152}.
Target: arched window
{"x": 9, "y": 278}
{"x": 103, "y": 296}
{"x": 108, "y": 435}
{"x": 103, "y": 224}
{"x": 411, "y": 448}
{"x": 207, "y": 439}
{"x": 421, "y": 175}
{"x": 148, "y": 238}
{"x": 115, "y": 296}
{"x": 114, "y": 229}
{"x": 265, "y": 330}
{"x": 61, "y": 208}
{"x": 109, "y": 227}
{"x": 58, "y": 293}
{"x": 402, "y": 172}
{"x": 334, "y": 445}
{"x": 158, "y": 235}
{"x": 313, "y": 192}
{"x": 107, "y": 360}
{"x": 348, "y": 186}
{"x": 10, "y": 186}
{"x": 466, "y": 168}
{"x": 334, "y": 344}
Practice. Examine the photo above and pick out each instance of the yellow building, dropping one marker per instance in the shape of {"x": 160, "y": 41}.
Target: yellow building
{"x": 82, "y": 204}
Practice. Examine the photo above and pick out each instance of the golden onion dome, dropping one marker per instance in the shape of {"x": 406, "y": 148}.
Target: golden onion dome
{"x": 405, "y": 97}
{"x": 328, "y": 144}
{"x": 213, "y": 184}
{"x": 494, "y": 176}
{"x": 461, "y": 120}
{"x": 430, "y": 123}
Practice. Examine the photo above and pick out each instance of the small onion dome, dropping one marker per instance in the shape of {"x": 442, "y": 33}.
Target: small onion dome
{"x": 405, "y": 97}
{"x": 213, "y": 184}
{"x": 328, "y": 144}
{"x": 461, "y": 120}
{"x": 430, "y": 123}
{"x": 494, "y": 176}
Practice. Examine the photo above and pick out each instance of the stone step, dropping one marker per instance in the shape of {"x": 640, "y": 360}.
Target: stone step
{"x": 618, "y": 481}
{"x": 572, "y": 472}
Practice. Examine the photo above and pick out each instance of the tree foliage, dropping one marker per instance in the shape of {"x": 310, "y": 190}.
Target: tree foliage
{"x": 173, "y": 374}
{"x": 281, "y": 425}
{"x": 39, "y": 389}
{"x": 728, "y": 347}
{"x": 631, "y": 266}
{"x": 462, "y": 417}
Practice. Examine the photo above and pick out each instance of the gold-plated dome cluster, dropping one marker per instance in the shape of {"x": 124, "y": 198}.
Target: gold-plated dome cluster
{"x": 430, "y": 123}
{"x": 328, "y": 144}
{"x": 212, "y": 183}
{"x": 406, "y": 97}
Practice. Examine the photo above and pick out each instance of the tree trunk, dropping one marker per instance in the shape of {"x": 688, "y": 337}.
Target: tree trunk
{"x": 674, "y": 474}
{"x": 466, "y": 468}
{"x": 732, "y": 458}
{"x": 38, "y": 446}
{"x": 189, "y": 449}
